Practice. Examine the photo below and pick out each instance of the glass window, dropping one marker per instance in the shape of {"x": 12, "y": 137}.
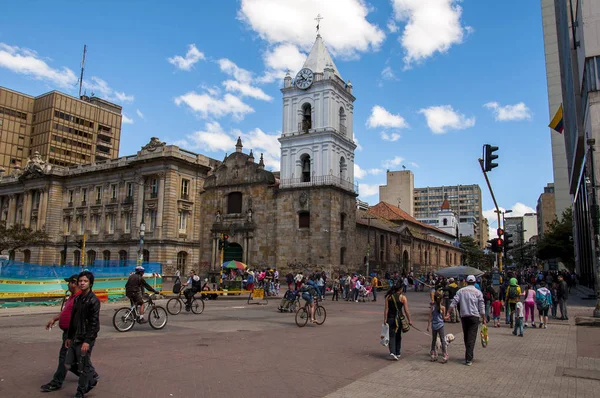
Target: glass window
{"x": 152, "y": 215}
{"x": 81, "y": 225}
{"x": 130, "y": 189}
{"x": 304, "y": 220}
{"x": 185, "y": 188}
{"x": 154, "y": 187}
{"x": 70, "y": 196}
{"x": 127, "y": 227}
{"x": 84, "y": 194}
{"x": 182, "y": 221}
{"x": 113, "y": 189}
{"x": 111, "y": 223}
{"x": 98, "y": 194}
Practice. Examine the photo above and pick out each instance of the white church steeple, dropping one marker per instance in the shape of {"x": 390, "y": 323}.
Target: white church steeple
{"x": 317, "y": 140}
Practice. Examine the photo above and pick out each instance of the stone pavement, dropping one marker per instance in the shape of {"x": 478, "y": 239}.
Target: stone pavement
{"x": 543, "y": 363}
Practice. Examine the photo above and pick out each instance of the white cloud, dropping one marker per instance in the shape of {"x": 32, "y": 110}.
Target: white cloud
{"x": 366, "y": 190}
{"x": 375, "y": 171}
{"x": 431, "y": 26}
{"x": 358, "y": 146}
{"x": 392, "y": 27}
{"x": 240, "y": 74}
{"x": 388, "y": 74}
{"x": 414, "y": 164}
{"x": 27, "y": 62}
{"x": 279, "y": 60}
{"x": 126, "y": 120}
{"x": 359, "y": 173}
{"x": 96, "y": 86}
{"x": 440, "y": 119}
{"x": 258, "y": 140}
{"x": 517, "y": 210}
{"x": 380, "y": 117}
{"x": 391, "y": 163}
{"x": 213, "y": 138}
{"x": 392, "y": 137}
{"x": 246, "y": 90}
{"x": 191, "y": 57}
{"x": 140, "y": 114}
{"x": 291, "y": 21}
{"x": 505, "y": 113}
{"x": 210, "y": 106}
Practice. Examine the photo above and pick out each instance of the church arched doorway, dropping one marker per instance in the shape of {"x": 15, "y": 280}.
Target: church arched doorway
{"x": 405, "y": 265}
{"x": 233, "y": 252}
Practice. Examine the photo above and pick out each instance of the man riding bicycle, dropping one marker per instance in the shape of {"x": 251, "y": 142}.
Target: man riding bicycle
{"x": 134, "y": 289}
{"x": 192, "y": 286}
{"x": 309, "y": 292}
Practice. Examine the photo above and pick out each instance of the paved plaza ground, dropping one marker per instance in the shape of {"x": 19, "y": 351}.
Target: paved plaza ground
{"x": 238, "y": 350}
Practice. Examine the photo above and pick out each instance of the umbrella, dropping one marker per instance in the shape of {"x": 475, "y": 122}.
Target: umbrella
{"x": 234, "y": 265}
{"x": 461, "y": 270}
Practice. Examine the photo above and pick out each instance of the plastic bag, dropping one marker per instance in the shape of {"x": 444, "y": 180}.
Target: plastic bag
{"x": 385, "y": 335}
{"x": 484, "y": 336}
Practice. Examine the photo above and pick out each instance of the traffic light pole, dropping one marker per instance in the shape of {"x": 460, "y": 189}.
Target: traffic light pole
{"x": 487, "y": 180}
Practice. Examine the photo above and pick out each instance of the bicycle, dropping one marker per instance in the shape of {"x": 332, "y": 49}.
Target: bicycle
{"x": 175, "y": 304}
{"x": 303, "y": 312}
{"x": 125, "y": 318}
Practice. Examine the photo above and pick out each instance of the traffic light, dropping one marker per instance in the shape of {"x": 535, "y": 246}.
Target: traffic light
{"x": 496, "y": 245}
{"x": 225, "y": 241}
{"x": 489, "y": 157}
{"x": 220, "y": 244}
{"x": 507, "y": 242}
{"x": 500, "y": 232}
{"x": 79, "y": 244}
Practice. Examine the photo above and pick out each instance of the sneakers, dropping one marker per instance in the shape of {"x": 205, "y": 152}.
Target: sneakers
{"x": 445, "y": 358}
{"x": 393, "y": 357}
{"x": 468, "y": 363}
{"x": 433, "y": 355}
{"x": 143, "y": 320}
{"x": 545, "y": 326}
{"x": 93, "y": 384}
{"x": 521, "y": 335}
{"x": 52, "y": 386}
{"x": 514, "y": 333}
{"x": 533, "y": 325}
{"x": 79, "y": 394}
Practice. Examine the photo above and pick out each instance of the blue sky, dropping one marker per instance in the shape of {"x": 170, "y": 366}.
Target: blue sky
{"x": 434, "y": 79}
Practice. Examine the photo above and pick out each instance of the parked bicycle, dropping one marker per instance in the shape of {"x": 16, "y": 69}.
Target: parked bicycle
{"x": 175, "y": 304}
{"x": 126, "y": 317}
{"x": 303, "y": 314}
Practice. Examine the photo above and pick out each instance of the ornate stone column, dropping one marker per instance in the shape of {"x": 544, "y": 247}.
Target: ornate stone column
{"x": 214, "y": 253}
{"x": 161, "y": 203}
{"x": 41, "y": 221}
{"x": 12, "y": 210}
{"x": 27, "y": 207}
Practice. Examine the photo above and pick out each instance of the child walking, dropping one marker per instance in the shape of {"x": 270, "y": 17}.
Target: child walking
{"x": 496, "y": 309}
{"x": 436, "y": 321}
{"x": 518, "y": 319}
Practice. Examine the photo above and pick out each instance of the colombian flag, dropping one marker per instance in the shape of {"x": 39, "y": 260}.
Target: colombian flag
{"x": 557, "y": 121}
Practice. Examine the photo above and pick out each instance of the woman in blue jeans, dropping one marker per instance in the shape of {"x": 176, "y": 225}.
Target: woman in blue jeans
{"x": 396, "y": 305}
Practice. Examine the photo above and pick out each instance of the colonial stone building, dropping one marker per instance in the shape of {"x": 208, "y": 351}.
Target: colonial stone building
{"x": 303, "y": 217}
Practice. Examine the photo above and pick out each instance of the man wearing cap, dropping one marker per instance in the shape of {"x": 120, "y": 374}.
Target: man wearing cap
{"x": 64, "y": 318}
{"x": 472, "y": 308}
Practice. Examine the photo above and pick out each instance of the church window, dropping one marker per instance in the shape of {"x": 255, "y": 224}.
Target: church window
{"x": 305, "y": 168}
{"x": 343, "y": 167}
{"x": 342, "y": 121}
{"x": 234, "y": 203}
{"x": 342, "y": 221}
{"x": 304, "y": 220}
{"x": 445, "y": 222}
{"x": 342, "y": 255}
{"x": 306, "y": 123}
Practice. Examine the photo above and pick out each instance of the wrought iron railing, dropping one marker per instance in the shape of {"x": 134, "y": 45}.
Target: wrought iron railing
{"x": 319, "y": 181}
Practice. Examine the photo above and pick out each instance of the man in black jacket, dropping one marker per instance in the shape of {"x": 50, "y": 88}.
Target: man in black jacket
{"x": 563, "y": 296}
{"x": 82, "y": 333}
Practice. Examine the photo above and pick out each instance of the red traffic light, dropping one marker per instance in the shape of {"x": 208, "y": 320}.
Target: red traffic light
{"x": 225, "y": 236}
{"x": 500, "y": 232}
{"x": 499, "y": 242}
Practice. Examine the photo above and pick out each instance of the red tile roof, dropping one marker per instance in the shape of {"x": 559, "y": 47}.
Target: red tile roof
{"x": 393, "y": 213}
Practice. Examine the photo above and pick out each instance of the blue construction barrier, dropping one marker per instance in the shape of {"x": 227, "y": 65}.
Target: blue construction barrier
{"x": 100, "y": 268}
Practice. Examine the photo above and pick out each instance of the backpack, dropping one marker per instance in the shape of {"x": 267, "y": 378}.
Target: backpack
{"x": 542, "y": 301}
{"x": 177, "y": 286}
{"x": 196, "y": 283}
{"x": 512, "y": 293}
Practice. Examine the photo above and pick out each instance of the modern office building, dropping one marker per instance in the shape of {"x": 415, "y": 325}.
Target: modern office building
{"x": 64, "y": 130}
{"x": 545, "y": 209}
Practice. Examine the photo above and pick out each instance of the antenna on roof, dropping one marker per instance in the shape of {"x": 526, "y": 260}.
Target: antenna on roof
{"x": 82, "y": 67}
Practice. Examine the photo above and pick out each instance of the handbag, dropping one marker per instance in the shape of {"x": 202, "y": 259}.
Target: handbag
{"x": 405, "y": 326}
{"x": 385, "y": 335}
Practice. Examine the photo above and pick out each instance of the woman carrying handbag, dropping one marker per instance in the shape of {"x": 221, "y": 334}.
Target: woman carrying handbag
{"x": 397, "y": 317}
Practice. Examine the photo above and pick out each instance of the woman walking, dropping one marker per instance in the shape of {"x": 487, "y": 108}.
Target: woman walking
{"x": 396, "y": 306}
{"x": 529, "y": 304}
{"x": 436, "y": 322}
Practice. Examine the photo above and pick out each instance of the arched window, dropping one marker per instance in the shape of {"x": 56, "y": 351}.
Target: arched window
{"x": 454, "y": 258}
{"x": 306, "y": 123}
{"x": 122, "y": 257}
{"x": 342, "y": 121}
{"x": 381, "y": 247}
{"x": 182, "y": 261}
{"x": 106, "y": 256}
{"x": 91, "y": 257}
{"x": 146, "y": 256}
{"x": 343, "y": 167}
{"x": 305, "y": 159}
{"x": 27, "y": 256}
{"x": 234, "y": 203}
{"x": 304, "y": 219}
{"x": 77, "y": 258}
{"x": 445, "y": 221}
{"x": 447, "y": 258}
{"x": 342, "y": 255}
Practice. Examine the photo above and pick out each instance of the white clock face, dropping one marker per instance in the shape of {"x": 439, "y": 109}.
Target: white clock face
{"x": 304, "y": 78}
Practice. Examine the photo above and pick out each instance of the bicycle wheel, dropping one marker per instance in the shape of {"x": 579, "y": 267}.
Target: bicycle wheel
{"x": 301, "y": 317}
{"x": 123, "y": 319}
{"x": 197, "y": 306}
{"x": 174, "y": 306}
{"x": 320, "y": 314}
{"x": 158, "y": 317}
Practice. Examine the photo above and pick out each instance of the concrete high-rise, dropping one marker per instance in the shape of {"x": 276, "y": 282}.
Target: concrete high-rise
{"x": 64, "y": 130}
{"x": 399, "y": 191}
{"x": 562, "y": 198}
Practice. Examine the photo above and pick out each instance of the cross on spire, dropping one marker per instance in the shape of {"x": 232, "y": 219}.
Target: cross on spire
{"x": 318, "y": 19}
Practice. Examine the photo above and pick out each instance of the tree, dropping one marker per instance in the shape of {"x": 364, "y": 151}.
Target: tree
{"x": 558, "y": 241}
{"x": 474, "y": 256}
{"x": 17, "y": 236}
